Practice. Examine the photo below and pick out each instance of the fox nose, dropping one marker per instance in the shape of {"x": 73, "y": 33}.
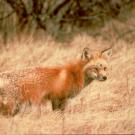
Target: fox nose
{"x": 104, "y": 77}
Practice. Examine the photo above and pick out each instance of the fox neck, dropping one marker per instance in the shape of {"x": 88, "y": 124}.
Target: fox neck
{"x": 87, "y": 80}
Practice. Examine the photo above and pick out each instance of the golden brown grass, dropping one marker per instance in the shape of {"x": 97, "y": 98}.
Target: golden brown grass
{"x": 101, "y": 107}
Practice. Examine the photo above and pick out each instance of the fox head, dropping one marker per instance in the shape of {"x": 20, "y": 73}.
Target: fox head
{"x": 97, "y": 64}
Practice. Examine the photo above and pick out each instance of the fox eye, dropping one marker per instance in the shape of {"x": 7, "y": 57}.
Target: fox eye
{"x": 100, "y": 65}
{"x": 105, "y": 68}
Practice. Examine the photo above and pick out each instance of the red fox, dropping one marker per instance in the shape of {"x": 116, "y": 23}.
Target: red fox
{"x": 54, "y": 83}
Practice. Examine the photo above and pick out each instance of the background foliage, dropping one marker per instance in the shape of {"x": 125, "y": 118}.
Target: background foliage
{"x": 59, "y": 18}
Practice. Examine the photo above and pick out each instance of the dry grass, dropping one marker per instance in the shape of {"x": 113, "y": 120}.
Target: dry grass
{"x": 102, "y": 107}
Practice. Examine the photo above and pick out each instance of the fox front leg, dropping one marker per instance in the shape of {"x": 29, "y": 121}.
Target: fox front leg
{"x": 58, "y": 104}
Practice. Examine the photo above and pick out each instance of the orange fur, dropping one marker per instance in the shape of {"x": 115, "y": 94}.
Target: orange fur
{"x": 56, "y": 83}
{"x": 34, "y": 84}
{"x": 39, "y": 82}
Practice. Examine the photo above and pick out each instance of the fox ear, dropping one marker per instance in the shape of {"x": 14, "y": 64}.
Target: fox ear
{"x": 107, "y": 52}
{"x": 85, "y": 54}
